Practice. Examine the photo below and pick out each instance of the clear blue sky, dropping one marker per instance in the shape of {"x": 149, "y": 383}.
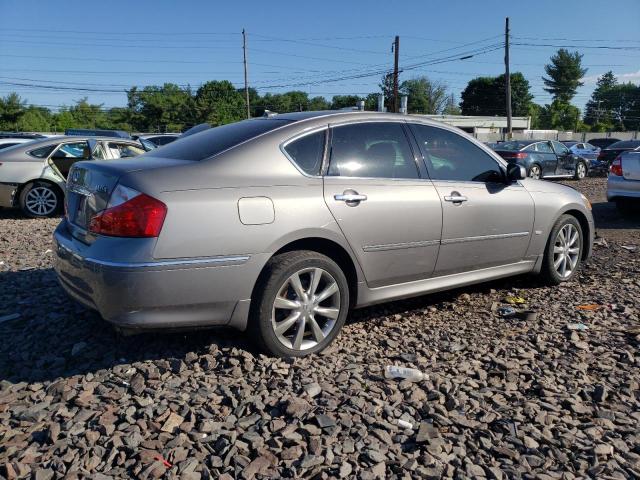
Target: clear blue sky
{"x": 114, "y": 44}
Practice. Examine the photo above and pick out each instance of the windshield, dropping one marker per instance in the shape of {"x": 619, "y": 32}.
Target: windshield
{"x": 511, "y": 146}
{"x": 626, "y": 144}
{"x": 202, "y": 145}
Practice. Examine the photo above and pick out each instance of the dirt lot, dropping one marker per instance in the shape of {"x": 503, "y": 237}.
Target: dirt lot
{"x": 505, "y": 398}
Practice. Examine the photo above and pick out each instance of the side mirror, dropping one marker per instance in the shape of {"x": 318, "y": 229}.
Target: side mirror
{"x": 515, "y": 172}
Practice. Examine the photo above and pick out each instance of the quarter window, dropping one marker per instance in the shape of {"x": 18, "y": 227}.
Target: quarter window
{"x": 306, "y": 152}
{"x": 371, "y": 150}
{"x": 450, "y": 156}
{"x": 42, "y": 152}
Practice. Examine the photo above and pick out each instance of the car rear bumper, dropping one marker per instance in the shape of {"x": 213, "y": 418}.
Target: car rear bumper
{"x": 175, "y": 293}
{"x": 619, "y": 187}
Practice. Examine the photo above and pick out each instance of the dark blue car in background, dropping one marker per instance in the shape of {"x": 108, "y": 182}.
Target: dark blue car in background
{"x": 544, "y": 158}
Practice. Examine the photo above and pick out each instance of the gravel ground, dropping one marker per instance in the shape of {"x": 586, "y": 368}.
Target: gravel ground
{"x": 504, "y": 398}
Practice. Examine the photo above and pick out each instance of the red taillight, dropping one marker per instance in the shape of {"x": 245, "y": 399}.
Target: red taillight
{"x": 514, "y": 155}
{"x": 139, "y": 216}
{"x": 616, "y": 166}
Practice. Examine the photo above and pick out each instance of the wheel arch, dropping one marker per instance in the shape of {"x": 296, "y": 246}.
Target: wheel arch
{"x": 584, "y": 225}
{"x": 22, "y": 186}
{"x": 330, "y": 247}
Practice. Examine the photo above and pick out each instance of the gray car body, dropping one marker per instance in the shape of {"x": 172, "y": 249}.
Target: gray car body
{"x": 626, "y": 186}
{"x": 228, "y": 215}
{"x": 18, "y": 168}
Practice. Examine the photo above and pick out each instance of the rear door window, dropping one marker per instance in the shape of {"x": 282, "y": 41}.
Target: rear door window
{"x": 559, "y": 148}
{"x": 124, "y": 150}
{"x": 371, "y": 150}
{"x": 212, "y": 141}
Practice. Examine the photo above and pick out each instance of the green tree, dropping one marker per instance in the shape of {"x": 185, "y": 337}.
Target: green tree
{"x": 218, "y": 103}
{"x": 12, "y": 107}
{"x": 424, "y": 95}
{"x": 162, "y": 108}
{"x": 560, "y": 116}
{"x": 386, "y": 87}
{"x": 344, "y": 101}
{"x": 487, "y": 96}
{"x": 565, "y": 72}
{"x": 318, "y": 103}
{"x": 599, "y": 109}
{"x": 36, "y": 119}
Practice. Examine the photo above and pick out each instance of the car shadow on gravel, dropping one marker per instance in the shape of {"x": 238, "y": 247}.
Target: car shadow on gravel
{"x": 16, "y": 214}
{"x": 607, "y": 217}
{"x": 54, "y": 337}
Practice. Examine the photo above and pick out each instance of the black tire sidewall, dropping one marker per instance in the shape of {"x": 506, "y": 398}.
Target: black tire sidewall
{"x": 25, "y": 191}
{"x": 279, "y": 269}
{"x": 548, "y": 270}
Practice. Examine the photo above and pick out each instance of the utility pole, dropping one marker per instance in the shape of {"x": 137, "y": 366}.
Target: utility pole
{"x": 396, "y": 51}
{"x": 246, "y": 81}
{"x": 507, "y": 77}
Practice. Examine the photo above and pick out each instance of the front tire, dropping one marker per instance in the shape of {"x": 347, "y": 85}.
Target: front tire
{"x": 563, "y": 255}
{"x": 40, "y": 200}
{"x": 581, "y": 171}
{"x": 299, "y": 305}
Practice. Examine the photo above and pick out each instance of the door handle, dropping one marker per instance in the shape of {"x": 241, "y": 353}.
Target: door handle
{"x": 350, "y": 197}
{"x": 455, "y": 197}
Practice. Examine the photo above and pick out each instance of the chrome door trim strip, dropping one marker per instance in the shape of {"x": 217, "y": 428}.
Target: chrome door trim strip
{"x": 499, "y": 236}
{"x": 235, "y": 260}
{"x": 399, "y": 246}
{"x": 65, "y": 251}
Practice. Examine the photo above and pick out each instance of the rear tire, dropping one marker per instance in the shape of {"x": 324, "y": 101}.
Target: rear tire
{"x": 581, "y": 171}
{"x": 563, "y": 255}
{"x": 535, "y": 171}
{"x": 299, "y": 305}
{"x": 40, "y": 200}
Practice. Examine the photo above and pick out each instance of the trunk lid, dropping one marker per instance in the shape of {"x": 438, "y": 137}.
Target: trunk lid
{"x": 631, "y": 165}
{"x": 608, "y": 155}
{"x": 90, "y": 184}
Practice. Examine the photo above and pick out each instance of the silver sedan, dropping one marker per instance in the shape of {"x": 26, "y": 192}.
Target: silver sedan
{"x": 282, "y": 225}
{"x": 33, "y": 174}
{"x": 623, "y": 183}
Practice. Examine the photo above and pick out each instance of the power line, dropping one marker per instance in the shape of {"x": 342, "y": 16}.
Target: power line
{"x": 605, "y": 47}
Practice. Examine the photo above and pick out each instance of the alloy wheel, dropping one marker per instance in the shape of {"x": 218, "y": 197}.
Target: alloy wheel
{"x": 41, "y": 201}
{"x": 581, "y": 170}
{"x": 566, "y": 250}
{"x": 306, "y": 308}
{"x": 534, "y": 172}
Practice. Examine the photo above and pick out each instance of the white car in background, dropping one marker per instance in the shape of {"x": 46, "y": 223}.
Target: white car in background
{"x": 33, "y": 174}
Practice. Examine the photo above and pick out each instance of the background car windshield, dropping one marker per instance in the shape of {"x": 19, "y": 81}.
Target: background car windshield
{"x": 215, "y": 140}
{"x": 511, "y": 145}
{"x": 625, "y": 144}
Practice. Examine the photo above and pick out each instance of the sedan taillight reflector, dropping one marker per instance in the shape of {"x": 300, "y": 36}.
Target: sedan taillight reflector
{"x": 616, "y": 166}
{"x": 139, "y": 216}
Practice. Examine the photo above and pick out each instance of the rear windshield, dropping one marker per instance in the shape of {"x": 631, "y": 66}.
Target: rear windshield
{"x": 511, "y": 145}
{"x": 200, "y": 146}
{"x": 625, "y": 144}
